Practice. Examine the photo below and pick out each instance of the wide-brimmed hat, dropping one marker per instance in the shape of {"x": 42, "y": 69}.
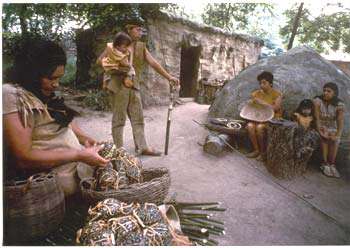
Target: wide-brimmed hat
{"x": 257, "y": 112}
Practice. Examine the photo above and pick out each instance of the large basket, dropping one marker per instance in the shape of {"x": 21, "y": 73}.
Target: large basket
{"x": 154, "y": 189}
{"x": 32, "y": 208}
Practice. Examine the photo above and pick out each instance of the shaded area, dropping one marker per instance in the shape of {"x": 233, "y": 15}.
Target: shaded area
{"x": 189, "y": 70}
{"x": 74, "y": 219}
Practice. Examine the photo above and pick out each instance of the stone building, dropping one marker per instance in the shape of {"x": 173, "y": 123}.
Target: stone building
{"x": 343, "y": 65}
{"x": 187, "y": 50}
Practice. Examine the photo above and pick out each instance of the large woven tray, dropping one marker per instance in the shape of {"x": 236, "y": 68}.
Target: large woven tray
{"x": 154, "y": 189}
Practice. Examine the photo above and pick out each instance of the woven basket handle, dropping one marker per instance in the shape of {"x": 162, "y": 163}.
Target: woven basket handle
{"x": 35, "y": 178}
{"x": 28, "y": 184}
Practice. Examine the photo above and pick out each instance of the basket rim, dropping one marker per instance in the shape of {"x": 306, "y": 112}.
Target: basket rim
{"x": 134, "y": 186}
{"x": 39, "y": 179}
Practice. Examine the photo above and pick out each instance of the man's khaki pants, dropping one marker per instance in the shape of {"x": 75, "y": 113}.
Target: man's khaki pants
{"x": 127, "y": 102}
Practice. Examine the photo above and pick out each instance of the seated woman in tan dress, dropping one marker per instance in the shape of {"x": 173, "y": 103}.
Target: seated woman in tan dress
{"x": 329, "y": 113}
{"x": 271, "y": 97}
{"x": 39, "y": 131}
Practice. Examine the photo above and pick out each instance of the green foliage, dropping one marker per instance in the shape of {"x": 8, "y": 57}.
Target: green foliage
{"x": 49, "y": 19}
{"x": 45, "y": 19}
{"x": 103, "y": 15}
{"x": 70, "y": 71}
{"x": 324, "y": 32}
{"x": 97, "y": 100}
{"x": 176, "y": 10}
{"x": 233, "y": 16}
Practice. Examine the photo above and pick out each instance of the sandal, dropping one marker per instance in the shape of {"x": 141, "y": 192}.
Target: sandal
{"x": 334, "y": 171}
{"x": 323, "y": 165}
{"x": 261, "y": 158}
{"x": 326, "y": 169}
{"x": 252, "y": 154}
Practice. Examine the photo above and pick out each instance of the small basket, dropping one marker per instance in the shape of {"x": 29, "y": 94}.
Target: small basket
{"x": 154, "y": 189}
{"x": 32, "y": 208}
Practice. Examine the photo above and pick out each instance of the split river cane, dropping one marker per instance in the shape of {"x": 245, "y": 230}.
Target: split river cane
{"x": 170, "y": 108}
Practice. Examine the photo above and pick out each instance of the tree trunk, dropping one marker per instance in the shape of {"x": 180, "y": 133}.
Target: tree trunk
{"x": 295, "y": 26}
{"x": 85, "y": 40}
{"x": 289, "y": 149}
{"x": 22, "y": 19}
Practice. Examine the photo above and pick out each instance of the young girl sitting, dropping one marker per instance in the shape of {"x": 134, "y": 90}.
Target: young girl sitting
{"x": 117, "y": 60}
{"x": 304, "y": 114}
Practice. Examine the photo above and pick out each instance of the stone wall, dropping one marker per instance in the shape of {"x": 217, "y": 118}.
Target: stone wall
{"x": 343, "y": 65}
{"x": 221, "y": 55}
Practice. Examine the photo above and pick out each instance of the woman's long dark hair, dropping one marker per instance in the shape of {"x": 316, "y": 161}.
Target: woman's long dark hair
{"x": 34, "y": 59}
{"x": 335, "y": 100}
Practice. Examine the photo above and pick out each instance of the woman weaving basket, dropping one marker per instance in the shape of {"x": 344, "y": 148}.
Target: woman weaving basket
{"x": 271, "y": 98}
{"x": 39, "y": 131}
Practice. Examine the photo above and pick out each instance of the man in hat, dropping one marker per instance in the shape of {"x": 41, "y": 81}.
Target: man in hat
{"x": 270, "y": 97}
{"x": 127, "y": 101}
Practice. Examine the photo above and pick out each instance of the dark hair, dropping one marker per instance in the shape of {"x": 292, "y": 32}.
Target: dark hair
{"x": 305, "y": 104}
{"x": 267, "y": 76}
{"x": 121, "y": 38}
{"x": 335, "y": 100}
{"x": 36, "y": 58}
{"x": 332, "y": 86}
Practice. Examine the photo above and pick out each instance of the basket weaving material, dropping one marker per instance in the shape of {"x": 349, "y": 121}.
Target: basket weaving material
{"x": 32, "y": 208}
{"x": 154, "y": 189}
{"x": 256, "y": 112}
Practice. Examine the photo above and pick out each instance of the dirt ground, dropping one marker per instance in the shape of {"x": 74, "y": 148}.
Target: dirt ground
{"x": 261, "y": 210}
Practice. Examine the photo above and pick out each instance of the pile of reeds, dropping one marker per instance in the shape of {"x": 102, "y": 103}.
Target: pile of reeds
{"x": 198, "y": 222}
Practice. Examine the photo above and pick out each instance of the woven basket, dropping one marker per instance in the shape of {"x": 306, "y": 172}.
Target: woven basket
{"x": 32, "y": 208}
{"x": 154, "y": 189}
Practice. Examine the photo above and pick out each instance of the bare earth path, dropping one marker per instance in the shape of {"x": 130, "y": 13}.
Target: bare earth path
{"x": 261, "y": 210}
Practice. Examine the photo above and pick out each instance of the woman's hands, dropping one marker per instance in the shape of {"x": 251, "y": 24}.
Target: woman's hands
{"x": 259, "y": 101}
{"x": 323, "y": 132}
{"x": 90, "y": 156}
{"x": 329, "y": 135}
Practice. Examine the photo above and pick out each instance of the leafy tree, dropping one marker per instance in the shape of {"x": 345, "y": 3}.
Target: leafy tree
{"x": 324, "y": 32}
{"x": 233, "y": 16}
{"x": 44, "y": 19}
{"x": 100, "y": 15}
{"x": 252, "y": 18}
{"x": 50, "y": 19}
